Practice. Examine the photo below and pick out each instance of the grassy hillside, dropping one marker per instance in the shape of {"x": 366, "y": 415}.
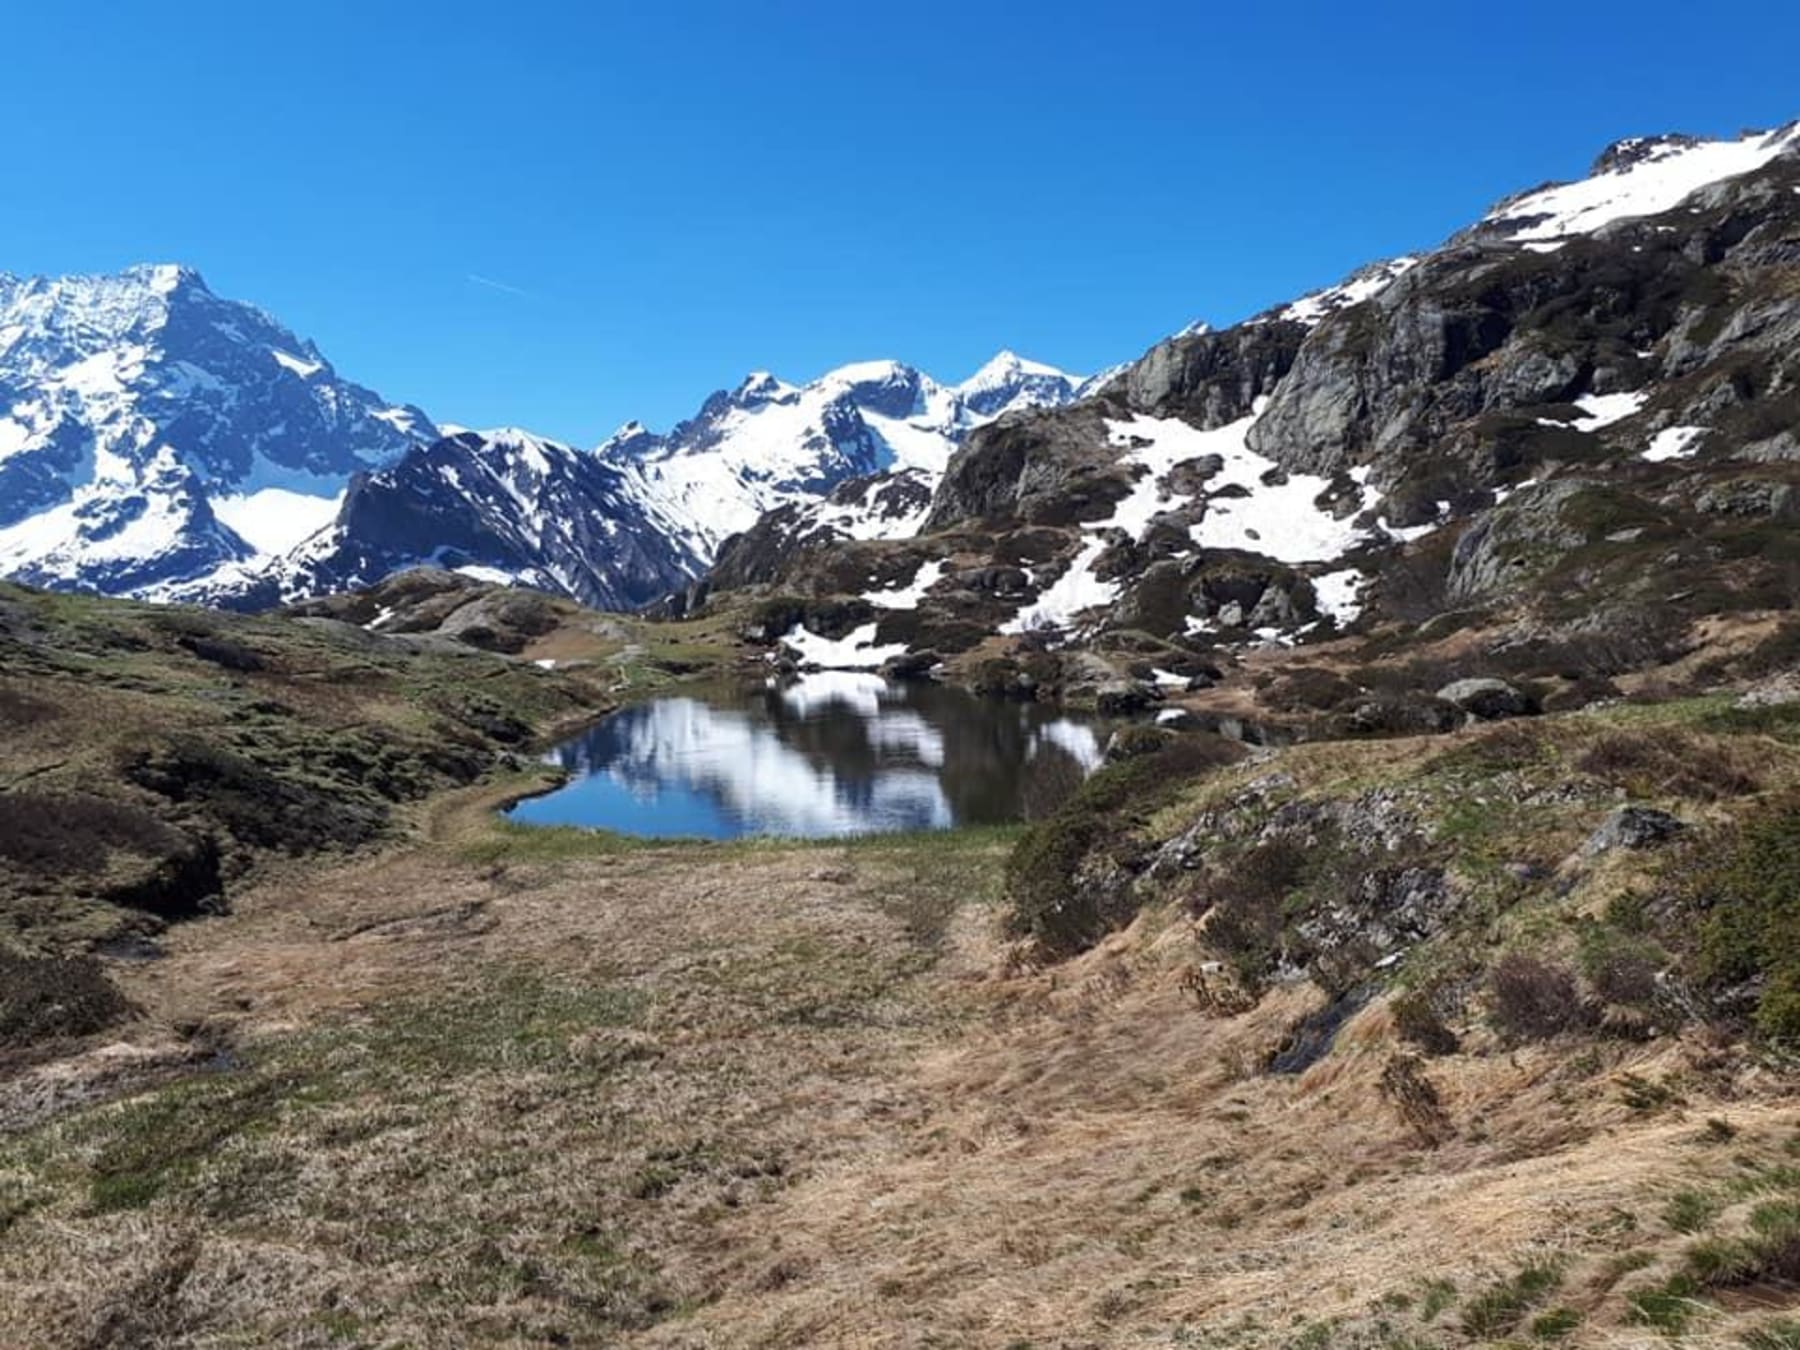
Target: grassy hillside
{"x": 1408, "y": 1042}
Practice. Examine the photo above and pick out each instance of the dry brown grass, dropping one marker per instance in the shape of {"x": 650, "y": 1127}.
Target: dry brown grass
{"x": 500, "y": 1092}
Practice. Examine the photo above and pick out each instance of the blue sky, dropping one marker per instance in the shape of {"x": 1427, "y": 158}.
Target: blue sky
{"x": 567, "y": 215}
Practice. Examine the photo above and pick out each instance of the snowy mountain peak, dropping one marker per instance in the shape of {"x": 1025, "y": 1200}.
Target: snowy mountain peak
{"x": 760, "y": 386}
{"x": 137, "y": 402}
{"x": 1641, "y": 176}
{"x": 166, "y": 278}
{"x": 1009, "y": 381}
{"x": 1622, "y": 154}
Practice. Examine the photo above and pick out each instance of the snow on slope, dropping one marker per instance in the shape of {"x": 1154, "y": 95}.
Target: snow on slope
{"x": 1641, "y": 177}
{"x": 1242, "y": 511}
{"x": 274, "y": 520}
{"x": 1361, "y": 285}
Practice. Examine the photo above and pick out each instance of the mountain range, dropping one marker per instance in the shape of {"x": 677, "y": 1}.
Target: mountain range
{"x": 164, "y": 443}
{"x": 161, "y": 442}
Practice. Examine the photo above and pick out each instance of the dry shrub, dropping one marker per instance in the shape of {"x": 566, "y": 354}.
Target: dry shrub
{"x": 48, "y": 832}
{"x": 44, "y": 998}
{"x": 19, "y": 709}
{"x": 1418, "y": 1023}
{"x": 1534, "y": 999}
{"x": 1666, "y": 764}
{"x": 1411, "y": 1094}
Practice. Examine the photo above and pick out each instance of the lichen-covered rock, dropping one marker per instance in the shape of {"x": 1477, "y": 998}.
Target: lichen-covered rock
{"x": 1633, "y": 827}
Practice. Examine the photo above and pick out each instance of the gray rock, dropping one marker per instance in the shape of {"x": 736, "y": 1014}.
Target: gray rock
{"x": 910, "y": 666}
{"x": 1122, "y": 698}
{"x": 1486, "y": 699}
{"x": 1633, "y": 827}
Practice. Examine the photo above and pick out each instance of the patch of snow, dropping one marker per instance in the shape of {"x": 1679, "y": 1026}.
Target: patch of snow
{"x": 274, "y": 519}
{"x": 1602, "y": 410}
{"x": 1674, "y": 443}
{"x": 1074, "y": 592}
{"x": 1362, "y": 285}
{"x": 545, "y": 663}
{"x": 1280, "y": 521}
{"x": 908, "y": 596}
{"x": 480, "y": 572}
{"x": 856, "y": 650}
{"x": 1338, "y": 594}
{"x": 299, "y": 365}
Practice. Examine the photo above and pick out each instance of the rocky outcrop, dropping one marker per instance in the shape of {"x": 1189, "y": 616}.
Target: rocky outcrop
{"x": 1046, "y": 467}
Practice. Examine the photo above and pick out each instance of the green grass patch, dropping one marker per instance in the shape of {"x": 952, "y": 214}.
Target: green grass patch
{"x": 1498, "y": 1309}
{"x": 1751, "y": 900}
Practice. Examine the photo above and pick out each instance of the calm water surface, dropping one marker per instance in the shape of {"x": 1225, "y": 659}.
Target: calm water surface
{"x": 830, "y": 754}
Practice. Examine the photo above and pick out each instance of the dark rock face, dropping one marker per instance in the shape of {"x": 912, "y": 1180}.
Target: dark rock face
{"x": 511, "y": 505}
{"x": 781, "y": 544}
{"x": 1043, "y": 467}
{"x": 1209, "y": 379}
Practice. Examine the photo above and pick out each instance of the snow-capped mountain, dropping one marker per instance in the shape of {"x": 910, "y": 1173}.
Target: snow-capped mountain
{"x": 769, "y": 444}
{"x": 159, "y": 441}
{"x": 151, "y": 432}
{"x": 503, "y": 506}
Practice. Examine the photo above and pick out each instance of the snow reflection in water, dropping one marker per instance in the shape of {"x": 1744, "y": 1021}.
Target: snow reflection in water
{"x": 834, "y": 753}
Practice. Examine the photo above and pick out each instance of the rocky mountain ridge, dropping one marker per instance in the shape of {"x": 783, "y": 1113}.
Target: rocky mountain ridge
{"x": 1551, "y": 416}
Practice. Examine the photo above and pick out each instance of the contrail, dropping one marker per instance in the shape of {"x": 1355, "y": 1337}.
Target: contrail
{"x": 477, "y": 279}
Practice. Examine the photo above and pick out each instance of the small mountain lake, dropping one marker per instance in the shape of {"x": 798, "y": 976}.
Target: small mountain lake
{"x": 833, "y": 753}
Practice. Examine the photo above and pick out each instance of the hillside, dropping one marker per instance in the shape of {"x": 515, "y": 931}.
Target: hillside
{"x": 1570, "y": 425}
{"x": 1430, "y": 1041}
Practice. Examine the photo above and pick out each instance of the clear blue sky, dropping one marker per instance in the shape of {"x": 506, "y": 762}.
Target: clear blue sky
{"x": 567, "y": 215}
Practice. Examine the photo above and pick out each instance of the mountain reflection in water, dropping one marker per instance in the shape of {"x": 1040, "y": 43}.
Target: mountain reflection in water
{"x": 835, "y": 753}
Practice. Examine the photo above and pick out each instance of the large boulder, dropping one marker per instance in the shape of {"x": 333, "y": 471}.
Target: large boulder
{"x": 1486, "y": 699}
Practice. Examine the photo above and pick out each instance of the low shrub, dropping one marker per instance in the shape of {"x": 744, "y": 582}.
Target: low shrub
{"x": 1417, "y": 1022}
{"x": 51, "y": 832}
{"x": 1050, "y": 902}
{"x": 1665, "y": 764}
{"x": 1244, "y": 904}
{"x": 224, "y": 653}
{"x": 1751, "y": 929}
{"x": 1620, "y": 967}
{"x": 1534, "y": 999}
{"x": 46, "y": 998}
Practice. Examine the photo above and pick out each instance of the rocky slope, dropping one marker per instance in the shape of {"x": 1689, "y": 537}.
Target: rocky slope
{"x": 1580, "y": 408}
